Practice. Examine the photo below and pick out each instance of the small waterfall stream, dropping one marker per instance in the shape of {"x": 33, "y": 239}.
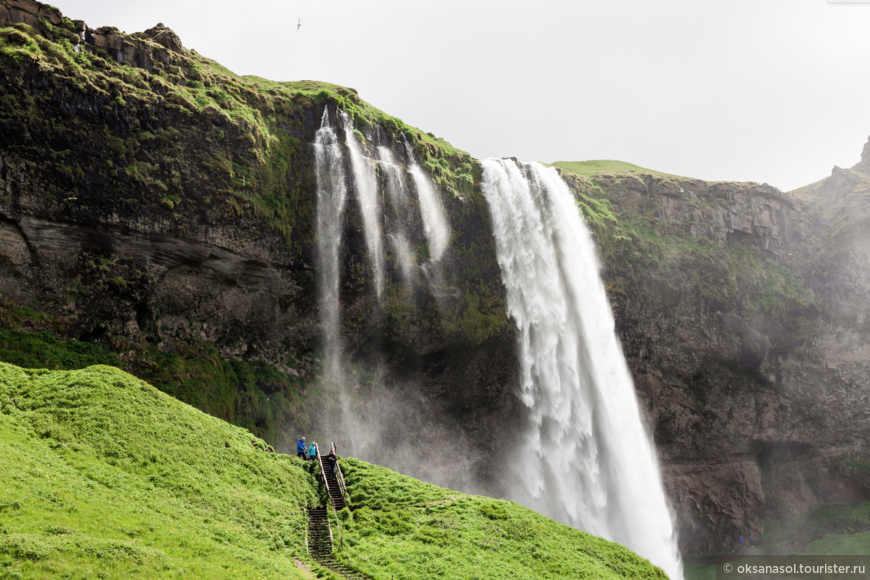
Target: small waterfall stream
{"x": 585, "y": 458}
{"x": 366, "y": 182}
{"x": 398, "y": 195}
{"x": 431, "y": 209}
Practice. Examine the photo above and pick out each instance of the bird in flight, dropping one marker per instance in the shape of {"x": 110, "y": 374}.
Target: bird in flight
{"x": 298, "y": 26}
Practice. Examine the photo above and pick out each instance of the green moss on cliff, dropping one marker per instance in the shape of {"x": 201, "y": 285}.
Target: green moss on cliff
{"x": 192, "y": 135}
{"x": 637, "y": 247}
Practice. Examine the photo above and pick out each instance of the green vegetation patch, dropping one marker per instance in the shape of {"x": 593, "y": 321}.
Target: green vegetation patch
{"x": 403, "y": 527}
{"x": 105, "y": 476}
{"x": 597, "y": 167}
{"x": 253, "y": 395}
{"x": 829, "y": 528}
{"x": 640, "y": 247}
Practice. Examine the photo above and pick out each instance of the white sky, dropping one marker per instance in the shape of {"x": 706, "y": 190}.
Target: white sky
{"x": 759, "y": 90}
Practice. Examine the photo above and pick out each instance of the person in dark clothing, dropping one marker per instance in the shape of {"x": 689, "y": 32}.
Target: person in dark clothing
{"x": 300, "y": 448}
{"x": 331, "y": 460}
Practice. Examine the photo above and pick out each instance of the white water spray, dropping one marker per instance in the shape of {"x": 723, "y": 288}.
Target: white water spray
{"x": 585, "y": 458}
{"x": 431, "y": 210}
{"x": 331, "y": 196}
{"x": 367, "y": 194}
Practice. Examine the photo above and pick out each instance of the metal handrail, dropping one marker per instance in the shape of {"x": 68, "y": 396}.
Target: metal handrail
{"x": 341, "y": 484}
{"x": 326, "y": 485}
{"x": 323, "y": 473}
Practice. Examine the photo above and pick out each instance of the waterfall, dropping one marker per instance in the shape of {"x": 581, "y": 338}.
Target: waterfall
{"x": 584, "y": 457}
{"x": 331, "y": 196}
{"x": 431, "y": 209}
{"x": 366, "y": 182}
{"x": 395, "y": 186}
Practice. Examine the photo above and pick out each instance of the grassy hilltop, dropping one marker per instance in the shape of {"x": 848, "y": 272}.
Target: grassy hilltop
{"x": 107, "y": 477}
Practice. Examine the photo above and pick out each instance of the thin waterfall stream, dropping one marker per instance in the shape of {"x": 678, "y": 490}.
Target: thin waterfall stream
{"x": 366, "y": 182}
{"x": 398, "y": 195}
{"x": 585, "y": 458}
{"x": 431, "y": 209}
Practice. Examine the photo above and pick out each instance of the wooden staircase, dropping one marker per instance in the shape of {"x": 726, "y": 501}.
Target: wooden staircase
{"x": 320, "y": 539}
{"x": 319, "y": 533}
{"x": 334, "y": 485}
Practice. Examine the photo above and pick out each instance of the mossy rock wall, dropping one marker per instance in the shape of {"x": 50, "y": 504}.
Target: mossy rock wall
{"x": 157, "y": 213}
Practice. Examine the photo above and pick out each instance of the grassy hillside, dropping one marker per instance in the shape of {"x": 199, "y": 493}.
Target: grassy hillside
{"x": 253, "y": 395}
{"x": 412, "y": 529}
{"x": 107, "y": 477}
{"x": 595, "y": 167}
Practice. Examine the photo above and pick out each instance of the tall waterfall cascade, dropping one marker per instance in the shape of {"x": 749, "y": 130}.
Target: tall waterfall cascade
{"x": 584, "y": 458}
{"x": 378, "y": 179}
{"x": 331, "y": 196}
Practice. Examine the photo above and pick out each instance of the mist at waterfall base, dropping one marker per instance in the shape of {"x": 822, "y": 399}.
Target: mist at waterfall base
{"x": 585, "y": 458}
{"x": 582, "y": 456}
{"x": 388, "y": 425}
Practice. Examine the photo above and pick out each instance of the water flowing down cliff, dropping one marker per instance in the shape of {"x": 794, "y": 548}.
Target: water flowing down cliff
{"x": 431, "y": 210}
{"x": 398, "y": 195}
{"x": 331, "y": 196}
{"x": 584, "y": 458}
{"x": 366, "y": 183}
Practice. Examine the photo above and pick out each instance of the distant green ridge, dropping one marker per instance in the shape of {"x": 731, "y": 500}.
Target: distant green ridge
{"x": 595, "y": 167}
{"x": 107, "y": 477}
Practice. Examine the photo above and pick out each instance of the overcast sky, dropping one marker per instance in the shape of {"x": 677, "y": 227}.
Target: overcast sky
{"x": 773, "y": 91}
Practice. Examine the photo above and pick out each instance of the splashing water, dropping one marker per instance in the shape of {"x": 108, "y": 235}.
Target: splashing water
{"x": 331, "y": 196}
{"x": 431, "y": 210}
{"x": 585, "y": 458}
{"x": 366, "y": 182}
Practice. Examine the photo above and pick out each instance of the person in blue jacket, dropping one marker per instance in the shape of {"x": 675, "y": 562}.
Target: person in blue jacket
{"x": 312, "y": 451}
{"x": 300, "y": 448}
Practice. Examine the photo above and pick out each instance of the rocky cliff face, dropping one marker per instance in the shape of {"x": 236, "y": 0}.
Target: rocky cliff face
{"x": 159, "y": 208}
{"x": 162, "y": 208}
{"x": 741, "y": 313}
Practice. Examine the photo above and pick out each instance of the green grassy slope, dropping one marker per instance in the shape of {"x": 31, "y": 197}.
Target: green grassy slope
{"x": 416, "y": 530}
{"x": 107, "y": 477}
{"x": 595, "y": 167}
{"x": 253, "y": 395}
